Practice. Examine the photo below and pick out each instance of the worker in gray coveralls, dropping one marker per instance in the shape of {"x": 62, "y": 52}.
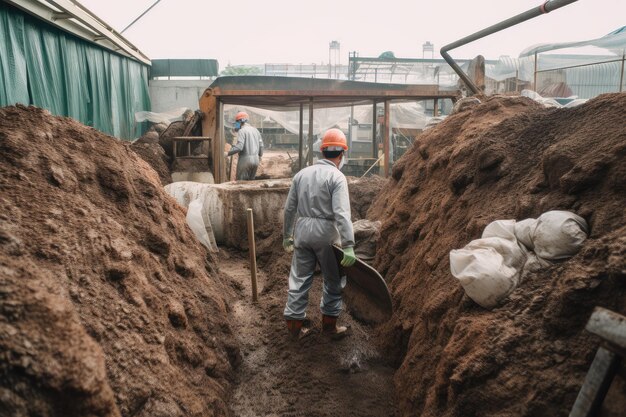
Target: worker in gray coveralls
{"x": 249, "y": 146}
{"x": 318, "y": 205}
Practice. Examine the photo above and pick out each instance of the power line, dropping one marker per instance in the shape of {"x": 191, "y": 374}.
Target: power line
{"x": 140, "y": 16}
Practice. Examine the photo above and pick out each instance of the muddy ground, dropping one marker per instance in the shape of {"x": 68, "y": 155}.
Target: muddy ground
{"x": 314, "y": 376}
{"x": 507, "y": 158}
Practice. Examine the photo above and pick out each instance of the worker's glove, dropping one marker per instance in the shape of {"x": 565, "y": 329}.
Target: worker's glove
{"x": 288, "y": 244}
{"x": 349, "y": 258}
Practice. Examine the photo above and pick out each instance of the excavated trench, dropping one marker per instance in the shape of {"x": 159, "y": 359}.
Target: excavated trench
{"x": 314, "y": 376}
{"x": 277, "y": 375}
{"x": 109, "y": 306}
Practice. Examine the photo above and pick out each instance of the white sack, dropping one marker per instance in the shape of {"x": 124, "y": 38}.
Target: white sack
{"x": 489, "y": 268}
{"x": 500, "y": 228}
{"x": 559, "y": 234}
{"x": 200, "y": 224}
{"x": 524, "y": 232}
{"x": 366, "y": 236}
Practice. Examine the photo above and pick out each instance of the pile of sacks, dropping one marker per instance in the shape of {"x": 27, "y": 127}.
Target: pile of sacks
{"x": 491, "y": 267}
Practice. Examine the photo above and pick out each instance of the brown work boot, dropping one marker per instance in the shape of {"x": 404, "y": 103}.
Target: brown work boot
{"x": 329, "y": 327}
{"x": 295, "y": 328}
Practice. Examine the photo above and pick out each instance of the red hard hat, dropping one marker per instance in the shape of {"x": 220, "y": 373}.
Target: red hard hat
{"x": 334, "y": 140}
{"x": 242, "y": 115}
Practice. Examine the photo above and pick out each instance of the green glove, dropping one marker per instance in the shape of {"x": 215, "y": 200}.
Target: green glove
{"x": 349, "y": 258}
{"x": 288, "y": 244}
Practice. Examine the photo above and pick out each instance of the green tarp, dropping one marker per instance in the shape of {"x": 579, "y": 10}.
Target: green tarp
{"x": 184, "y": 68}
{"x": 49, "y": 68}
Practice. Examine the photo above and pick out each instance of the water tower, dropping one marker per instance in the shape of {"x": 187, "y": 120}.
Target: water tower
{"x": 428, "y": 48}
{"x": 334, "y": 58}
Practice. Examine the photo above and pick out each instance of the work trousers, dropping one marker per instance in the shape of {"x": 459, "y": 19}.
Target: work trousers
{"x": 305, "y": 258}
{"x": 246, "y": 167}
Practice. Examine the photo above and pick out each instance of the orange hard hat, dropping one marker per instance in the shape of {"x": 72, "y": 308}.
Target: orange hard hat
{"x": 242, "y": 115}
{"x": 334, "y": 140}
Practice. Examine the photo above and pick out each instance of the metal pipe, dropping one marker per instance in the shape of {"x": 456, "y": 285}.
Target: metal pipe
{"x": 581, "y": 65}
{"x": 546, "y": 7}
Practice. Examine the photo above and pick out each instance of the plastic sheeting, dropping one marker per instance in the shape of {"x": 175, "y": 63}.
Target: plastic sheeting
{"x": 163, "y": 117}
{"x": 12, "y": 60}
{"x": 49, "y": 68}
{"x": 409, "y": 115}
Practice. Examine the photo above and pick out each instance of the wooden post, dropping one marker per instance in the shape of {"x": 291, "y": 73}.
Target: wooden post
{"x": 374, "y": 122}
{"x": 596, "y": 384}
{"x": 252, "y": 248}
{"x": 301, "y": 139}
{"x": 220, "y": 140}
{"x": 436, "y": 108}
{"x": 611, "y": 327}
{"x": 386, "y": 139}
{"x": 208, "y": 106}
{"x": 310, "y": 153}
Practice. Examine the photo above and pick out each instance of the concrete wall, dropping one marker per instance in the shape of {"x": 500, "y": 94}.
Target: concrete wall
{"x": 171, "y": 94}
{"x": 225, "y": 206}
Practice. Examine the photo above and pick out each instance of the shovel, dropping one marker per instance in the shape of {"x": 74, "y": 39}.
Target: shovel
{"x": 366, "y": 294}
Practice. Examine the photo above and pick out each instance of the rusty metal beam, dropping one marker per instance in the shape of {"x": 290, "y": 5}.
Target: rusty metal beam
{"x": 426, "y": 91}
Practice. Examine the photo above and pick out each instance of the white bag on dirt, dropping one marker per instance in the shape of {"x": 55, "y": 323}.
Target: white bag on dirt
{"x": 500, "y": 228}
{"x": 524, "y": 232}
{"x": 366, "y": 235}
{"x": 200, "y": 224}
{"x": 559, "y": 234}
{"x": 489, "y": 268}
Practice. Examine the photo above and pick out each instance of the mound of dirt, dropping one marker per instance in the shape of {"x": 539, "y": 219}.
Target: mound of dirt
{"x": 155, "y": 156}
{"x": 108, "y": 304}
{"x": 507, "y": 158}
{"x": 363, "y": 192}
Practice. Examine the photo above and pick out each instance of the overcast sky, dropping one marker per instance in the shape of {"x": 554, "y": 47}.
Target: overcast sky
{"x": 292, "y": 31}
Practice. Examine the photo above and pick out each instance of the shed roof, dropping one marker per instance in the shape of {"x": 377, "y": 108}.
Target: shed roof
{"x": 263, "y": 91}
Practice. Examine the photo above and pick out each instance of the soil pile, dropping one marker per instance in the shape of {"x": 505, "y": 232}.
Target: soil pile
{"x": 274, "y": 164}
{"x": 363, "y": 192}
{"x": 507, "y": 158}
{"x": 108, "y": 304}
{"x": 155, "y": 156}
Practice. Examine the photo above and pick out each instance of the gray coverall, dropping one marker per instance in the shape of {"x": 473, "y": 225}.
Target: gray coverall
{"x": 249, "y": 146}
{"x": 319, "y": 198}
